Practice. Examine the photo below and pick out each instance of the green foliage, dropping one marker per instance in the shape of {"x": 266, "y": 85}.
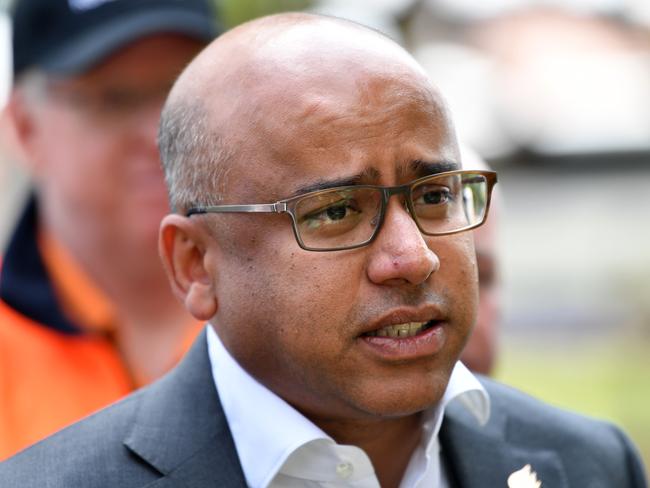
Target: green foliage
{"x": 234, "y": 12}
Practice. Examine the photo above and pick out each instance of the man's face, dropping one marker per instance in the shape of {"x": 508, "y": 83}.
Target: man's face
{"x": 297, "y": 320}
{"x": 94, "y": 141}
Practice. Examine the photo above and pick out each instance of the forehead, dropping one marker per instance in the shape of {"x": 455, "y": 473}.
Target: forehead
{"x": 379, "y": 124}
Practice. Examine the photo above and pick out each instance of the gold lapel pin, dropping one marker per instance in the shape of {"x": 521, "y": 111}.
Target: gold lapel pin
{"x": 524, "y": 478}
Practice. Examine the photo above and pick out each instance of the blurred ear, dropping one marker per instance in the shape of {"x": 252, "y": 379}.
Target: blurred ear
{"x": 184, "y": 247}
{"x": 21, "y": 126}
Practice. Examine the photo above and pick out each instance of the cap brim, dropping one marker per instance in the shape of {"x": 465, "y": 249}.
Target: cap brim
{"x": 85, "y": 52}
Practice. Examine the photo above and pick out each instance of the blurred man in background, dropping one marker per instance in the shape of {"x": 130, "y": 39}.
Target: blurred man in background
{"x": 86, "y": 314}
{"x": 480, "y": 353}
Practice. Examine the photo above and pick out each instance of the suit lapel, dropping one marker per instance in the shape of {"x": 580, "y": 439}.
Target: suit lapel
{"x": 180, "y": 428}
{"x": 477, "y": 456}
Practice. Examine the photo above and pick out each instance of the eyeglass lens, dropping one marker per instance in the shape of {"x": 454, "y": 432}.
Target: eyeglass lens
{"x": 350, "y": 216}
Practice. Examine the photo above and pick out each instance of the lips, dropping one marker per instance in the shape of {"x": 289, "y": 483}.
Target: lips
{"x": 404, "y": 322}
{"x": 405, "y": 335}
{"x": 408, "y": 329}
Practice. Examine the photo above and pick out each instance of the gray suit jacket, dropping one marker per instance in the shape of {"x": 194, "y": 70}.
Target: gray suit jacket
{"x": 174, "y": 434}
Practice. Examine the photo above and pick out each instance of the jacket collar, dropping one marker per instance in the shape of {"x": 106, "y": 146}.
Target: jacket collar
{"x": 481, "y": 456}
{"x": 180, "y": 428}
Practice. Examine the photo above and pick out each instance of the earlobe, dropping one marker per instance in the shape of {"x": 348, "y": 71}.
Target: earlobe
{"x": 183, "y": 247}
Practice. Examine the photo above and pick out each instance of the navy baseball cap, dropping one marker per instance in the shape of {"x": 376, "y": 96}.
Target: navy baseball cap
{"x": 69, "y": 37}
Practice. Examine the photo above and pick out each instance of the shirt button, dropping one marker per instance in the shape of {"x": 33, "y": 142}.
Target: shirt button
{"x": 344, "y": 470}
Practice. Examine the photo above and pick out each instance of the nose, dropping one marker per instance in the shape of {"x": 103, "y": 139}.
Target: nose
{"x": 399, "y": 254}
{"x": 143, "y": 131}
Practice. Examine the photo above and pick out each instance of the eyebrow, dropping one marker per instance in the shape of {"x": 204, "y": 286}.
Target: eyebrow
{"x": 419, "y": 167}
{"x": 370, "y": 174}
{"x": 425, "y": 168}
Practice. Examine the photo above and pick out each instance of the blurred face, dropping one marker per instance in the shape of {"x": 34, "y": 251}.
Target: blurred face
{"x": 93, "y": 142}
{"x": 480, "y": 353}
{"x": 305, "y": 323}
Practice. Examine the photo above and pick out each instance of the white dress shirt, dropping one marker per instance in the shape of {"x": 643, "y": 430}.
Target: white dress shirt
{"x": 278, "y": 447}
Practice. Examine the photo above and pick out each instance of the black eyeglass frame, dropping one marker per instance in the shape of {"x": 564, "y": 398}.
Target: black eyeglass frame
{"x": 288, "y": 206}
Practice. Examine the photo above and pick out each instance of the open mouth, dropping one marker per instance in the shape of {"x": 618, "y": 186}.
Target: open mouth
{"x": 408, "y": 329}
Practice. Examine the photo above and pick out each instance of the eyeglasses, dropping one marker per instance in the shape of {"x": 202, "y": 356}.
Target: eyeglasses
{"x": 348, "y": 217}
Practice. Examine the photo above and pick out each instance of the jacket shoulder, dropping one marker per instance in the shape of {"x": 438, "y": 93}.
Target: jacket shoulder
{"x": 531, "y": 416}
{"x": 596, "y": 446}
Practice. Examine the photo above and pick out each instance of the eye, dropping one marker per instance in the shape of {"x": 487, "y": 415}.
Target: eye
{"x": 338, "y": 216}
{"x": 337, "y": 212}
{"x": 431, "y": 195}
{"x": 332, "y": 214}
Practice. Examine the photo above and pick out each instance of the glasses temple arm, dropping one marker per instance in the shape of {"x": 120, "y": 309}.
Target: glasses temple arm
{"x": 256, "y": 208}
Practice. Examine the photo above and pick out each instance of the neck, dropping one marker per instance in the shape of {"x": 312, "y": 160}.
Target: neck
{"x": 389, "y": 443}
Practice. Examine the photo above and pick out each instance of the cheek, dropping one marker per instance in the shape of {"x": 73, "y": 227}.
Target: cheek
{"x": 274, "y": 273}
{"x": 305, "y": 291}
{"x": 459, "y": 274}
{"x": 284, "y": 311}
{"x": 76, "y": 155}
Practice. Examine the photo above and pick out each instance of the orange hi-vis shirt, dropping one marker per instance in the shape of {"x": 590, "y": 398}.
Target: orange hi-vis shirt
{"x": 58, "y": 361}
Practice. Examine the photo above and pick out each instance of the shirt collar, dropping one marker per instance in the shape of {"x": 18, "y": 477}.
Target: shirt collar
{"x": 465, "y": 388}
{"x": 258, "y": 417}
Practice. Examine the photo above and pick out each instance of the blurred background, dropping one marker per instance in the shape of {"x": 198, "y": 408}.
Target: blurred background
{"x": 555, "y": 95}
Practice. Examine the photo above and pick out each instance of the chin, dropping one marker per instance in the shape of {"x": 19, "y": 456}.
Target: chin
{"x": 401, "y": 401}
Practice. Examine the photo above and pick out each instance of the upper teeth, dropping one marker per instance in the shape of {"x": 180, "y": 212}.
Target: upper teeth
{"x": 408, "y": 329}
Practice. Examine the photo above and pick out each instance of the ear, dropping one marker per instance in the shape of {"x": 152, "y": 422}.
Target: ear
{"x": 184, "y": 247}
{"x": 21, "y": 125}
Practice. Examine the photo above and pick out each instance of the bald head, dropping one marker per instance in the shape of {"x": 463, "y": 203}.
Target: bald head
{"x": 285, "y": 55}
{"x": 291, "y": 70}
